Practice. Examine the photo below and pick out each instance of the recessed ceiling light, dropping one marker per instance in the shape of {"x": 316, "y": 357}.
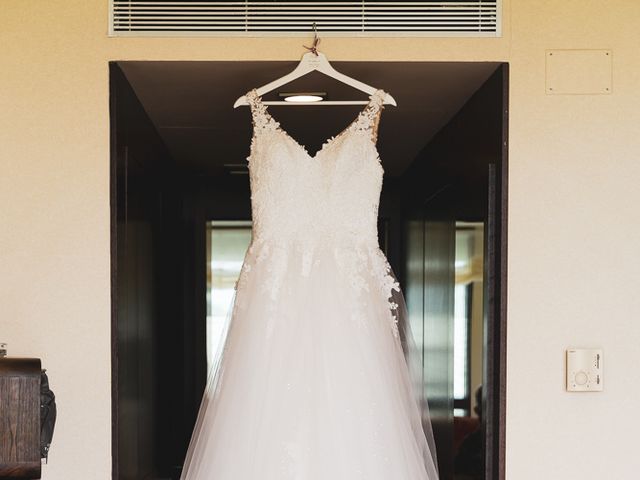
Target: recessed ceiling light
{"x": 303, "y": 97}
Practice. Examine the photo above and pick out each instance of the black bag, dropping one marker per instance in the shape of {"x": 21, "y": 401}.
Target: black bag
{"x": 47, "y": 415}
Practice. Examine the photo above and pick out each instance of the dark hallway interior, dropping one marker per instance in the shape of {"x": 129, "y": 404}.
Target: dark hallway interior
{"x": 178, "y": 162}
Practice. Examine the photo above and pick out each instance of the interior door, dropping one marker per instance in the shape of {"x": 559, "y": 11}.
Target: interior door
{"x": 495, "y": 331}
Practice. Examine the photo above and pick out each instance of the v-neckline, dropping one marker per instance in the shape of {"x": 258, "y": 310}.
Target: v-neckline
{"x": 328, "y": 141}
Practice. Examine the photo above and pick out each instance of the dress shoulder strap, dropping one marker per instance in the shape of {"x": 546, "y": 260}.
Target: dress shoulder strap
{"x": 369, "y": 118}
{"x": 259, "y": 114}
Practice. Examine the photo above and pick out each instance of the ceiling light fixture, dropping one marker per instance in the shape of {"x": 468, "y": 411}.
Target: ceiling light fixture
{"x": 303, "y": 97}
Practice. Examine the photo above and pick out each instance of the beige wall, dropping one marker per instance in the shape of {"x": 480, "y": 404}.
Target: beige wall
{"x": 573, "y": 221}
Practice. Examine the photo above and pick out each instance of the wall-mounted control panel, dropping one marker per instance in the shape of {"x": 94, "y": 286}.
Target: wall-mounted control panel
{"x": 584, "y": 370}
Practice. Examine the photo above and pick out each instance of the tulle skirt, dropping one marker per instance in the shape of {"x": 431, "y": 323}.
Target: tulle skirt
{"x": 311, "y": 383}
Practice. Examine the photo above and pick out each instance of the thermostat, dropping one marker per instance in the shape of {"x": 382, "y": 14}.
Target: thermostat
{"x": 584, "y": 370}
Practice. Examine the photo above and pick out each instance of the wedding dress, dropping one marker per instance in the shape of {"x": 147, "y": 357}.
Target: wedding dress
{"x": 311, "y": 382}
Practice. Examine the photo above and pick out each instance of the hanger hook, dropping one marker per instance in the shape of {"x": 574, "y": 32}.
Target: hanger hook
{"x": 316, "y": 40}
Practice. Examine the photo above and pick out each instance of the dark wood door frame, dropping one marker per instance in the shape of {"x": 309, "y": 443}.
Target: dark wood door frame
{"x": 495, "y": 282}
{"x": 113, "y": 195}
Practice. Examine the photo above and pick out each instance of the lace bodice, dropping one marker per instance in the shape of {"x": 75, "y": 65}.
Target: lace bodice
{"x": 331, "y": 196}
{"x": 309, "y": 206}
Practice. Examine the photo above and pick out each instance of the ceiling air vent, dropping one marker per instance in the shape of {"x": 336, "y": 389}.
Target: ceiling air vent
{"x": 368, "y": 18}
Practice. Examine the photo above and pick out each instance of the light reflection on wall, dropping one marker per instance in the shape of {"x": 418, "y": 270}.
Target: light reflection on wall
{"x": 227, "y": 243}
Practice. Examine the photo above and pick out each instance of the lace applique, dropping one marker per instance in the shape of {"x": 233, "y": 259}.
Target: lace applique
{"x": 369, "y": 118}
{"x": 259, "y": 114}
{"x": 353, "y": 264}
{"x": 388, "y": 285}
{"x": 361, "y": 267}
{"x": 357, "y": 265}
{"x": 273, "y": 258}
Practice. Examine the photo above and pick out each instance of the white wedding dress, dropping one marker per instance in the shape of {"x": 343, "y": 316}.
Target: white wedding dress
{"x": 312, "y": 382}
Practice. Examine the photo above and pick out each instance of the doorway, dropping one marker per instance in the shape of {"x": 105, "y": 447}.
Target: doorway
{"x": 181, "y": 217}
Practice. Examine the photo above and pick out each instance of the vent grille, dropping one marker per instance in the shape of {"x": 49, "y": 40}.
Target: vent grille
{"x": 479, "y": 18}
